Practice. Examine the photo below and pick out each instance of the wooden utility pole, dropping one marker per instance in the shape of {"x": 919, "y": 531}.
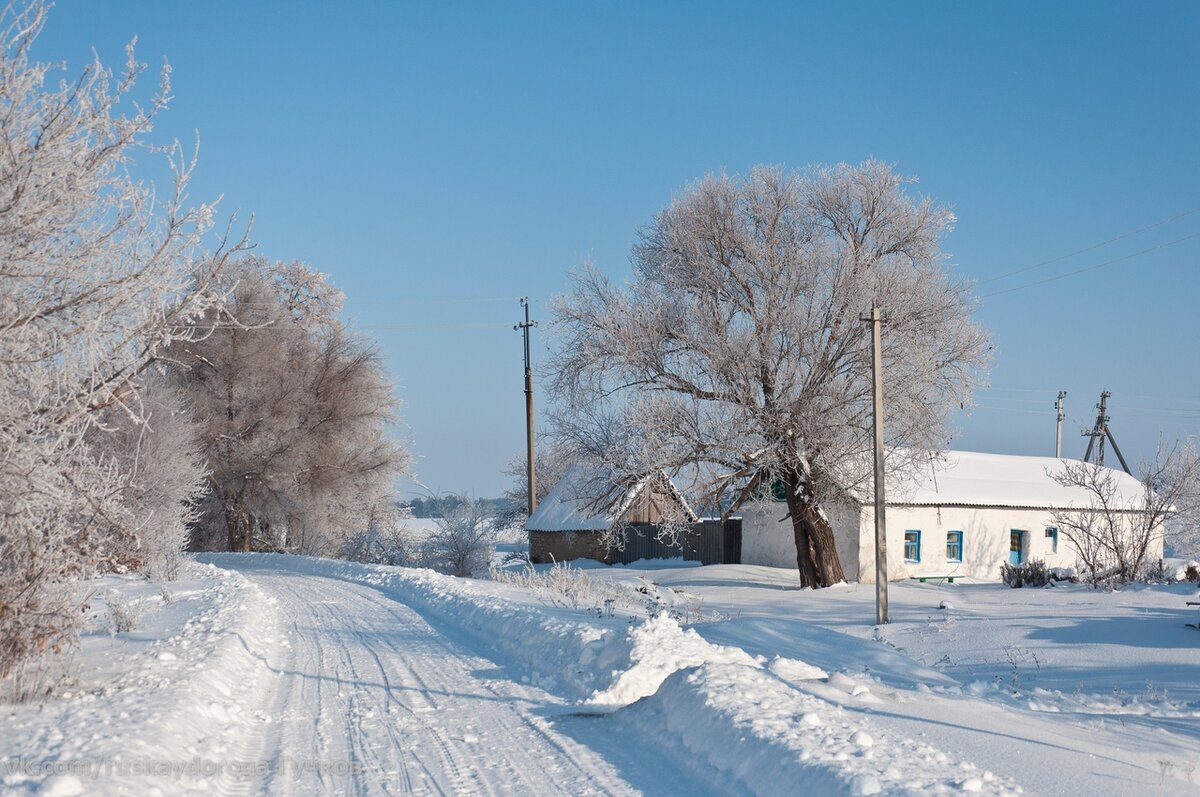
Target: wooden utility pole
{"x": 1058, "y": 406}
{"x": 881, "y": 573}
{"x": 531, "y": 475}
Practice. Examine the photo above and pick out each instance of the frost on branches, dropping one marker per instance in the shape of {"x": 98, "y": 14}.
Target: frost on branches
{"x": 1116, "y": 534}
{"x": 295, "y": 413}
{"x": 738, "y": 355}
{"x": 97, "y": 274}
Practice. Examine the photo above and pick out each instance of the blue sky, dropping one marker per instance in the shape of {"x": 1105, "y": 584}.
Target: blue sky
{"x": 441, "y": 160}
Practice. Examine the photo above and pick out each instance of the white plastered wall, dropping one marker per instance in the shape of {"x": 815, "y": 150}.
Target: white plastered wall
{"x": 767, "y": 537}
{"x": 985, "y": 544}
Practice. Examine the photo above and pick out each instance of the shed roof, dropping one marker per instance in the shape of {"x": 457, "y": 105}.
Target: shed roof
{"x": 969, "y": 478}
{"x": 590, "y": 498}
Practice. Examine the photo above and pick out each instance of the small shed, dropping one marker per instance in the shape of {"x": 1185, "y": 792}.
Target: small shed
{"x": 576, "y": 519}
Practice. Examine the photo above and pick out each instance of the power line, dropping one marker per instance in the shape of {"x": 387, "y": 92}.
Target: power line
{"x": 1122, "y": 236}
{"x": 1092, "y": 267}
{"x": 1015, "y": 390}
{"x": 1012, "y": 409}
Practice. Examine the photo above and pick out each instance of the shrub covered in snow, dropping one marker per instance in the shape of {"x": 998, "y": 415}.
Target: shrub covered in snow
{"x": 386, "y": 540}
{"x": 1032, "y": 573}
{"x": 462, "y": 542}
{"x": 123, "y": 614}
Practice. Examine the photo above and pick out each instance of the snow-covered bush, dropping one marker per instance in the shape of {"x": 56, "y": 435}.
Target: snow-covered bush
{"x": 1031, "y": 573}
{"x": 385, "y": 541}
{"x": 123, "y": 615}
{"x": 462, "y": 542}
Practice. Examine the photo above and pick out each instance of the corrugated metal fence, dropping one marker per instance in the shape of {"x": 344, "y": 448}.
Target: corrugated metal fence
{"x": 709, "y": 542}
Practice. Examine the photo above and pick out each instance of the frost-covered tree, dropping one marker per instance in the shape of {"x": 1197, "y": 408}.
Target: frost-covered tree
{"x": 738, "y": 355}
{"x": 155, "y": 447}
{"x": 295, "y": 415}
{"x": 1182, "y": 480}
{"x": 98, "y": 273}
{"x": 463, "y": 541}
{"x": 1115, "y": 532}
{"x": 554, "y": 459}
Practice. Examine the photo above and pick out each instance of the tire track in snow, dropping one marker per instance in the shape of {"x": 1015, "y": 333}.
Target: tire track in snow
{"x": 391, "y": 706}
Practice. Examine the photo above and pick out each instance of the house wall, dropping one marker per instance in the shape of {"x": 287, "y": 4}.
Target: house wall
{"x": 563, "y": 546}
{"x": 767, "y": 537}
{"x": 985, "y": 540}
{"x": 650, "y": 506}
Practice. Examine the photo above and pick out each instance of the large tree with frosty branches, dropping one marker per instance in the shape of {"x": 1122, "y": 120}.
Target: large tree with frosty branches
{"x": 738, "y": 353}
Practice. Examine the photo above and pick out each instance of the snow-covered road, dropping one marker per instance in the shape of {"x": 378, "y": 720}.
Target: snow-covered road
{"x": 367, "y": 697}
{"x": 261, "y": 673}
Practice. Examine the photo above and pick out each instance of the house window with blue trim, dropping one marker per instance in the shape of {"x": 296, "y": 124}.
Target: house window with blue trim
{"x": 954, "y": 546}
{"x": 912, "y": 545}
{"x": 1052, "y": 539}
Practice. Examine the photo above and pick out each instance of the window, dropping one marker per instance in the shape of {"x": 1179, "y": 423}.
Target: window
{"x": 1052, "y": 537}
{"x": 953, "y": 546}
{"x": 912, "y": 546}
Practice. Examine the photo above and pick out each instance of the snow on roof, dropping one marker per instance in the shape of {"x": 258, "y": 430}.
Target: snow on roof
{"x": 588, "y": 498}
{"x": 976, "y": 479}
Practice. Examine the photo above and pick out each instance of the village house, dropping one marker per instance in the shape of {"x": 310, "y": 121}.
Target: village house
{"x": 576, "y": 518}
{"x": 964, "y": 514}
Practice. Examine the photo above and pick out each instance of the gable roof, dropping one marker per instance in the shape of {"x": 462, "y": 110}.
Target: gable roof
{"x": 969, "y": 478}
{"x": 590, "y": 498}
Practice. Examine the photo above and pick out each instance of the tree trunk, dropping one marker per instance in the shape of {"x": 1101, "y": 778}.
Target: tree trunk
{"x": 816, "y": 548}
{"x": 240, "y": 525}
{"x": 804, "y": 553}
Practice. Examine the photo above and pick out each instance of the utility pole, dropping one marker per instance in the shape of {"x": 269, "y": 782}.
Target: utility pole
{"x": 1058, "y": 406}
{"x": 881, "y": 583}
{"x": 1101, "y": 431}
{"x": 531, "y": 476}
{"x": 1097, "y": 431}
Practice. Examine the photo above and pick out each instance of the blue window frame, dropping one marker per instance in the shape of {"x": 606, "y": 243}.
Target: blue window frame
{"x": 954, "y": 546}
{"x": 1052, "y": 537}
{"x": 912, "y": 545}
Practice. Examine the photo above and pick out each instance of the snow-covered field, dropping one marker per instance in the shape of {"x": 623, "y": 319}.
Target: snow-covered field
{"x": 277, "y": 674}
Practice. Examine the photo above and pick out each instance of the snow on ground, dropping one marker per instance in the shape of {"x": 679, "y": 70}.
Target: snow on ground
{"x": 753, "y": 717}
{"x": 164, "y": 708}
{"x": 278, "y": 674}
{"x": 1068, "y": 689}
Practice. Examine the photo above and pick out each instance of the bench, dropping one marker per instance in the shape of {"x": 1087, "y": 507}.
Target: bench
{"x": 923, "y": 579}
{"x": 1195, "y": 625}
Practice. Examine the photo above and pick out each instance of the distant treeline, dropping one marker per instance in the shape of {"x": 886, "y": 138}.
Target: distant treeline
{"x": 439, "y": 506}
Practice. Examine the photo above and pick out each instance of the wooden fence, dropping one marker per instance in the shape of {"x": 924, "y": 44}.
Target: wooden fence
{"x": 709, "y": 542}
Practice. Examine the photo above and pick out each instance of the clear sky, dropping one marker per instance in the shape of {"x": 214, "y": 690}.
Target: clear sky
{"x": 440, "y": 160}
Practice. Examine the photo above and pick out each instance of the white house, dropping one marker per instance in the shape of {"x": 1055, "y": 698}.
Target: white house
{"x": 963, "y": 515}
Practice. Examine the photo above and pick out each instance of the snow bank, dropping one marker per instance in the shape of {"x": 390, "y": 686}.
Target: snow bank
{"x": 775, "y": 739}
{"x": 171, "y": 707}
{"x": 736, "y": 711}
{"x": 650, "y": 653}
